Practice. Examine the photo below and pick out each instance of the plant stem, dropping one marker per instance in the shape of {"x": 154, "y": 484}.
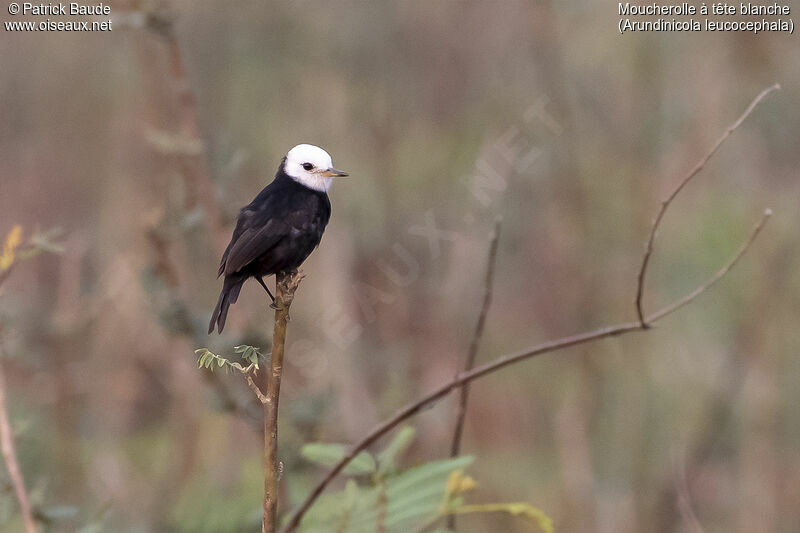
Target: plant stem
{"x": 286, "y": 285}
{"x": 469, "y": 361}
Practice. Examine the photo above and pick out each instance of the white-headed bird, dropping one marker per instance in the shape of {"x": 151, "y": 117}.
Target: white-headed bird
{"x": 280, "y": 228}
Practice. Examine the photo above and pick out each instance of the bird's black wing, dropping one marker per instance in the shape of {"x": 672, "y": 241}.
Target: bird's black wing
{"x": 254, "y": 236}
{"x": 253, "y": 218}
{"x": 283, "y": 212}
{"x": 259, "y": 234}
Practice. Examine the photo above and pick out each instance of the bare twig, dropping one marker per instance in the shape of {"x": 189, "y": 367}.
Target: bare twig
{"x": 711, "y": 428}
{"x": 10, "y": 457}
{"x": 286, "y": 285}
{"x": 469, "y": 361}
{"x": 642, "y": 324}
{"x": 256, "y": 390}
{"x": 716, "y": 277}
{"x": 502, "y": 362}
{"x": 666, "y": 203}
{"x": 247, "y": 411}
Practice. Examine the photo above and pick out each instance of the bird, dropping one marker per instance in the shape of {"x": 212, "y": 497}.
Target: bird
{"x": 280, "y": 228}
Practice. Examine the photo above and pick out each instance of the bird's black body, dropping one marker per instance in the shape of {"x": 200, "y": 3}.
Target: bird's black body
{"x": 275, "y": 233}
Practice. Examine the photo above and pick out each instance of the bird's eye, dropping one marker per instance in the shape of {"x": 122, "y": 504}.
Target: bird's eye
{"x": 308, "y": 166}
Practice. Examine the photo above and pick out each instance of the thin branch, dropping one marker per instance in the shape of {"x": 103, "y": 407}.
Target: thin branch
{"x": 10, "y": 456}
{"x": 668, "y": 201}
{"x": 286, "y": 285}
{"x": 229, "y": 402}
{"x": 502, "y": 362}
{"x": 256, "y": 390}
{"x": 716, "y": 277}
{"x": 469, "y": 361}
{"x": 642, "y": 324}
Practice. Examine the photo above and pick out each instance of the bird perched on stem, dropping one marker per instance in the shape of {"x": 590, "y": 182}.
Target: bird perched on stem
{"x": 280, "y": 228}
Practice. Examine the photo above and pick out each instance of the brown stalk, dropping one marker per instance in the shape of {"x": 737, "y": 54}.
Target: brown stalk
{"x": 286, "y": 285}
{"x": 469, "y": 361}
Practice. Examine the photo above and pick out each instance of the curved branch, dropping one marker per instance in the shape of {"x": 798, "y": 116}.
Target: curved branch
{"x": 642, "y": 324}
{"x": 668, "y": 201}
{"x": 506, "y": 360}
{"x": 716, "y": 277}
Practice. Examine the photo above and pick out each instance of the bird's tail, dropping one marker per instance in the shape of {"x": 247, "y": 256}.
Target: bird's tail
{"x": 228, "y": 296}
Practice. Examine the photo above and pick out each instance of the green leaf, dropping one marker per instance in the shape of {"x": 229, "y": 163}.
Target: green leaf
{"x": 202, "y": 354}
{"x": 412, "y": 500}
{"x": 407, "y": 480}
{"x": 416, "y": 495}
{"x": 387, "y": 459}
{"x": 206, "y": 359}
{"x": 248, "y": 353}
{"x": 408, "y": 501}
{"x": 329, "y": 454}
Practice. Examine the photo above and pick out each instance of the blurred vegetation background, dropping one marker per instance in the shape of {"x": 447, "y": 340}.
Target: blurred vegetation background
{"x": 143, "y": 143}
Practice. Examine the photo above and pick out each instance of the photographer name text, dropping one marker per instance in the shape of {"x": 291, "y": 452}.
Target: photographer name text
{"x": 58, "y": 9}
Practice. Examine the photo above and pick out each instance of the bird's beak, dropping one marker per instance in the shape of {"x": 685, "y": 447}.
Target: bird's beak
{"x": 333, "y": 173}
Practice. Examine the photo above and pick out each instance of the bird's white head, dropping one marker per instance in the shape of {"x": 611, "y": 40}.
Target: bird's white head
{"x": 311, "y": 166}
